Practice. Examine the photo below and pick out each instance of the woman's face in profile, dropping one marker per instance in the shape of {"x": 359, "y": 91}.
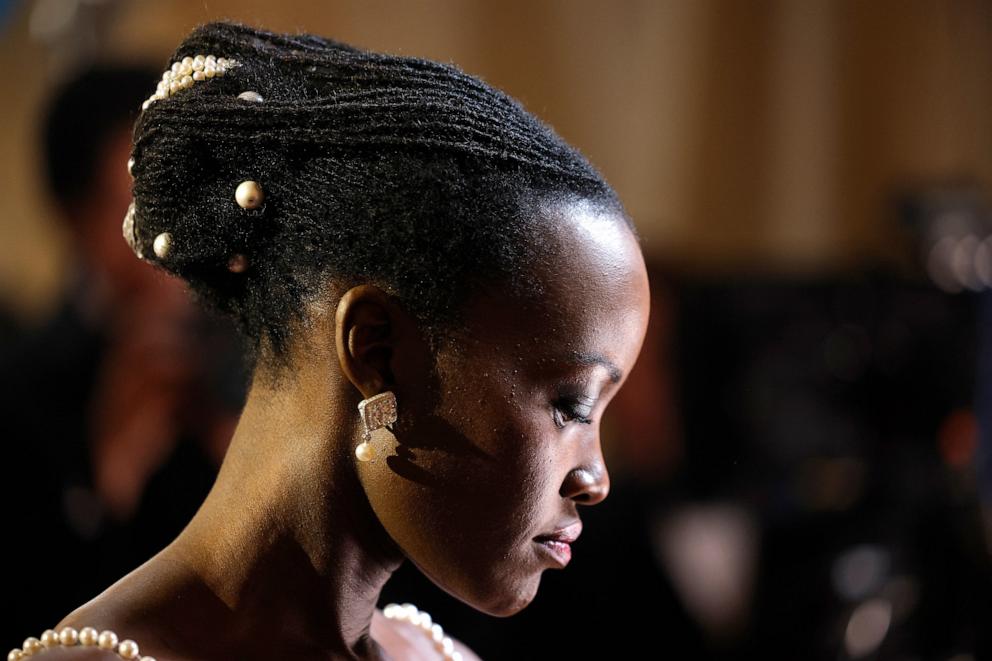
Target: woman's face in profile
{"x": 499, "y": 453}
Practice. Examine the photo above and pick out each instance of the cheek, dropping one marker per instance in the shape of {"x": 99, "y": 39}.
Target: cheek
{"x": 464, "y": 494}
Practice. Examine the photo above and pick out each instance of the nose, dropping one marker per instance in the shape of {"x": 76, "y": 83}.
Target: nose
{"x": 587, "y": 485}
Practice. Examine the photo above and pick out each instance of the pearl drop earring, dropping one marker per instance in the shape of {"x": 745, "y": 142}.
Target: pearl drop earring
{"x": 376, "y": 412}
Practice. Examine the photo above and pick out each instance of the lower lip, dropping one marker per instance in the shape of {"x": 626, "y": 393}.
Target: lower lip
{"x": 560, "y": 551}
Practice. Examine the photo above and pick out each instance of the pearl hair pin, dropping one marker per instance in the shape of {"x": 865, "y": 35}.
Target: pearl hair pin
{"x": 418, "y": 618}
{"x": 162, "y": 245}
{"x": 183, "y": 73}
{"x": 249, "y": 195}
{"x": 85, "y": 637}
{"x": 130, "y": 234}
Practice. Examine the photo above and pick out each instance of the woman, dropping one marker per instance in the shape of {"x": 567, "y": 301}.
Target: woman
{"x": 441, "y": 297}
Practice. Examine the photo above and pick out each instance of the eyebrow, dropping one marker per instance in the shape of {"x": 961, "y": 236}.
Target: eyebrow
{"x": 587, "y": 358}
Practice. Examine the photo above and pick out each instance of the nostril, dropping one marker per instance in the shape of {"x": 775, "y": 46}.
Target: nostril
{"x": 585, "y": 487}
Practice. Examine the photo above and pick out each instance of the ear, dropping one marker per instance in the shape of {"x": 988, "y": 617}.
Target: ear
{"x": 366, "y": 326}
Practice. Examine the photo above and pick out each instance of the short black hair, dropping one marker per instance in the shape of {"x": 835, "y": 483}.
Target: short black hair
{"x": 401, "y": 172}
{"x": 83, "y": 113}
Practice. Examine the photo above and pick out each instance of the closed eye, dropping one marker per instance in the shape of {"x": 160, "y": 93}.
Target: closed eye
{"x": 566, "y": 411}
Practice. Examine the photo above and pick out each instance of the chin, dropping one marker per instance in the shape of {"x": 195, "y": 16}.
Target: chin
{"x": 510, "y": 600}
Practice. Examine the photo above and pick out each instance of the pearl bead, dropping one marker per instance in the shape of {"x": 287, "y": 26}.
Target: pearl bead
{"x": 251, "y": 96}
{"x": 162, "y": 244}
{"x": 237, "y": 264}
{"x": 364, "y": 452}
{"x": 107, "y": 640}
{"x": 410, "y": 613}
{"x": 249, "y": 195}
{"x": 128, "y": 649}
{"x": 183, "y": 73}
{"x": 130, "y": 166}
{"x": 68, "y": 637}
{"x": 88, "y": 636}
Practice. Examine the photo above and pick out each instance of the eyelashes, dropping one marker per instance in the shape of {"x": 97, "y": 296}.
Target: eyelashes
{"x": 571, "y": 410}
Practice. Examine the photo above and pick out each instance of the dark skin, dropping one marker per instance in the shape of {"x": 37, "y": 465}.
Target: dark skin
{"x": 497, "y": 443}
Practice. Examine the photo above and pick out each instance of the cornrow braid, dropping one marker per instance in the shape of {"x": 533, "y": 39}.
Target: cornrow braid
{"x": 402, "y": 172}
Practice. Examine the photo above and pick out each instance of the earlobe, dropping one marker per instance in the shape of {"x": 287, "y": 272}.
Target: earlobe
{"x": 364, "y": 337}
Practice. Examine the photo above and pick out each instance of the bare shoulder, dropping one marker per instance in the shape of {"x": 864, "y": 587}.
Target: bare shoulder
{"x": 402, "y": 639}
{"x": 95, "y": 631}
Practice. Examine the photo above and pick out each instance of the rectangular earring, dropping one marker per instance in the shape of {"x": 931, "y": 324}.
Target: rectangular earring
{"x": 376, "y": 412}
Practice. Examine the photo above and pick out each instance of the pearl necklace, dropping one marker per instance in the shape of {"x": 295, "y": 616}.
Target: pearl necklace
{"x": 128, "y": 649}
{"x": 70, "y": 637}
{"x": 418, "y": 618}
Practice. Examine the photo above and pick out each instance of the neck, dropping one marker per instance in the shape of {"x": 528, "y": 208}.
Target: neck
{"x": 287, "y": 540}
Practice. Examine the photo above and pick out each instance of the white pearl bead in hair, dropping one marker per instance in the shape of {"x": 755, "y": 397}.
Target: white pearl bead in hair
{"x": 249, "y": 195}
{"x": 251, "y": 96}
{"x": 184, "y": 73}
{"x": 162, "y": 244}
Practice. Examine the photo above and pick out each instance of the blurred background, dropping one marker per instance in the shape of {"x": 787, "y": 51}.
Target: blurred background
{"x": 801, "y": 461}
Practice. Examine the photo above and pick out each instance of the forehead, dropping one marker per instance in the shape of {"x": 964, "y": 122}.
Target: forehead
{"x": 591, "y": 297}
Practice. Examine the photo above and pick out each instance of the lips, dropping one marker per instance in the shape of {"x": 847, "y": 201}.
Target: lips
{"x": 557, "y": 544}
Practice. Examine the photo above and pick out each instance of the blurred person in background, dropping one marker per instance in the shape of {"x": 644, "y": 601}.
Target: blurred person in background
{"x": 118, "y": 408}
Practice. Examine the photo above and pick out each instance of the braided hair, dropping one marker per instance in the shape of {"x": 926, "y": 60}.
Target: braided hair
{"x": 396, "y": 171}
